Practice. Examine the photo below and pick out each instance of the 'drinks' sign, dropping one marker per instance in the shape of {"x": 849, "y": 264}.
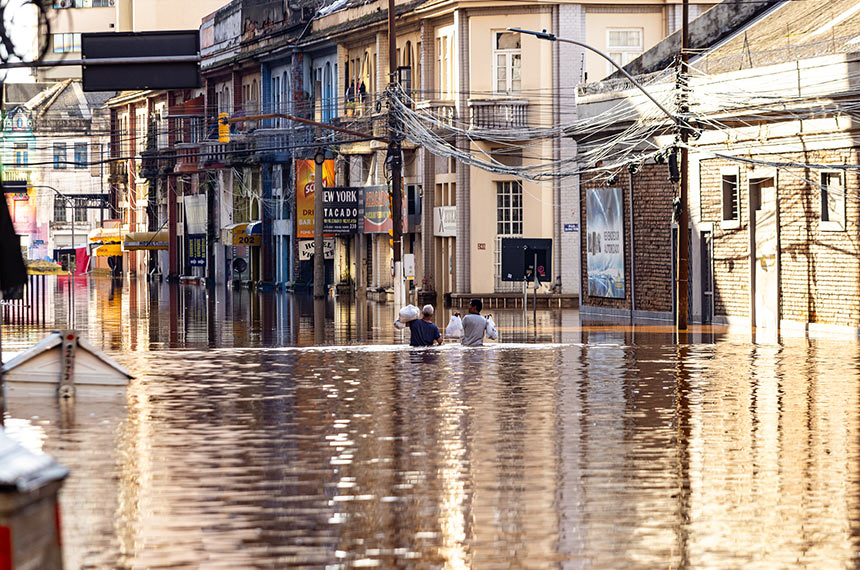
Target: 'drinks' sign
{"x": 605, "y": 242}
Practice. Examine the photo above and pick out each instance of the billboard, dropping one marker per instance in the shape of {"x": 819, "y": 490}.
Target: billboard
{"x": 605, "y": 242}
{"x": 150, "y": 46}
{"x": 342, "y": 210}
{"x": 305, "y": 172}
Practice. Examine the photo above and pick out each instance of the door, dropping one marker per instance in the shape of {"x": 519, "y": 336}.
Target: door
{"x": 707, "y": 256}
{"x": 765, "y": 237}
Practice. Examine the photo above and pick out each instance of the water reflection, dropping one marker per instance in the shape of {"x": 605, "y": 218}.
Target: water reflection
{"x": 237, "y": 446}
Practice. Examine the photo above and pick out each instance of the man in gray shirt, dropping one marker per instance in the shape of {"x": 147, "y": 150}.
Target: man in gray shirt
{"x": 474, "y": 325}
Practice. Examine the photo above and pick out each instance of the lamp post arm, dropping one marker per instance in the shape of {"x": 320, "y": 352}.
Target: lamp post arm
{"x": 544, "y": 35}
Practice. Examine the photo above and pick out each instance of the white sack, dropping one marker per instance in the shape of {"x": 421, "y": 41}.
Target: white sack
{"x": 492, "y": 332}
{"x": 409, "y": 313}
{"x": 454, "y": 328}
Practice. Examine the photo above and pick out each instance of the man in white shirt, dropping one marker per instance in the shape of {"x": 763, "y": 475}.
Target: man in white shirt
{"x": 474, "y": 325}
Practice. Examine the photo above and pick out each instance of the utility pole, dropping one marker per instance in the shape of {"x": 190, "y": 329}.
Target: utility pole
{"x": 319, "y": 253}
{"x": 395, "y": 164}
{"x": 683, "y": 273}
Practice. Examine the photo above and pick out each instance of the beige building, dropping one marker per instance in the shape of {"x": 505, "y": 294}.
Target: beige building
{"x": 497, "y": 96}
{"x": 70, "y": 18}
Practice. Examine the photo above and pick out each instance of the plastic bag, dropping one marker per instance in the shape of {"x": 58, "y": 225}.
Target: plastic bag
{"x": 409, "y": 313}
{"x": 399, "y": 325}
{"x": 454, "y": 328}
{"x": 492, "y": 332}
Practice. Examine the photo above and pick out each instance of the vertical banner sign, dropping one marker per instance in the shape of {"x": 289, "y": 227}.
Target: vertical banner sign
{"x": 605, "y": 242}
{"x": 197, "y": 250}
{"x": 305, "y": 172}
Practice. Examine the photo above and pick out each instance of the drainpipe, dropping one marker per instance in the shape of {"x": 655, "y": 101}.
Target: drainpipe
{"x": 632, "y": 169}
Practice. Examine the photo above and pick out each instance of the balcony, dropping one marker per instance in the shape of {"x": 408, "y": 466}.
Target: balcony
{"x": 157, "y": 162}
{"x": 187, "y": 157}
{"x": 279, "y": 143}
{"x": 239, "y": 151}
{"x": 498, "y": 114}
{"x": 443, "y": 112}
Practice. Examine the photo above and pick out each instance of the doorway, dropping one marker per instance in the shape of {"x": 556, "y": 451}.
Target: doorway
{"x": 764, "y": 250}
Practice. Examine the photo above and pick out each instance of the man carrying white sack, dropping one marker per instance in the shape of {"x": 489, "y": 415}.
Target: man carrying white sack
{"x": 423, "y": 331}
{"x": 475, "y": 326}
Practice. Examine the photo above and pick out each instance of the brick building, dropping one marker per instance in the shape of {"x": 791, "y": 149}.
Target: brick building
{"x": 773, "y": 170}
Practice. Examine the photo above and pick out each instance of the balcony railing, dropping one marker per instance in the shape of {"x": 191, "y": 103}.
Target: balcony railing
{"x": 498, "y": 114}
{"x": 187, "y": 157}
{"x": 271, "y": 142}
{"x": 240, "y": 150}
{"x": 444, "y": 112}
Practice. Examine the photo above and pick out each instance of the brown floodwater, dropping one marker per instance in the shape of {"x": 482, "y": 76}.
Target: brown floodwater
{"x": 241, "y": 444}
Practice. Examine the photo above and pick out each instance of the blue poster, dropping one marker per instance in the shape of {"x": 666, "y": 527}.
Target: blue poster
{"x": 605, "y": 242}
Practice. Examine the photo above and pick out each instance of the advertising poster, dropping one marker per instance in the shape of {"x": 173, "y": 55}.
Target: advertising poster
{"x": 377, "y": 214}
{"x": 343, "y": 208}
{"x": 605, "y": 243}
{"x": 305, "y": 171}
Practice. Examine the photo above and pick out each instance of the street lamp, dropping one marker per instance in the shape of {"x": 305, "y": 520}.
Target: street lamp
{"x": 74, "y": 251}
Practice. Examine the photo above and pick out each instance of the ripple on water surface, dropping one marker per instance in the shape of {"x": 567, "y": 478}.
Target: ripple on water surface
{"x": 594, "y": 454}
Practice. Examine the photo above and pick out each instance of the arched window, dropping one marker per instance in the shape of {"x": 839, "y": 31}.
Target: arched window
{"x": 406, "y": 79}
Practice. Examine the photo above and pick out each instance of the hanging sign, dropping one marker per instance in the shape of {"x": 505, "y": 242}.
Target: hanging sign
{"x": 342, "y": 210}
{"x": 305, "y": 172}
{"x": 306, "y": 249}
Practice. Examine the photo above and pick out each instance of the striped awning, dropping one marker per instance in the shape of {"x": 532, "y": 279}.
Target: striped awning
{"x": 147, "y": 241}
{"x": 106, "y": 235}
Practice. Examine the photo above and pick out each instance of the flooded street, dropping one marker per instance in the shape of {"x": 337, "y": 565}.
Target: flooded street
{"x": 240, "y": 444}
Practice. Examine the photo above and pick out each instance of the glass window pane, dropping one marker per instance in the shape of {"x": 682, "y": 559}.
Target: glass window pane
{"x": 507, "y": 40}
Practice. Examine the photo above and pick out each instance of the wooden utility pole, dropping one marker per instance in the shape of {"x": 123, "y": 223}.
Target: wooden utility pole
{"x": 395, "y": 164}
{"x": 683, "y": 270}
{"x": 319, "y": 253}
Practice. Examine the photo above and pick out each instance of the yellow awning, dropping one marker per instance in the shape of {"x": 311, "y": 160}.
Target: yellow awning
{"x": 106, "y": 235}
{"x": 108, "y": 250}
{"x": 136, "y": 241}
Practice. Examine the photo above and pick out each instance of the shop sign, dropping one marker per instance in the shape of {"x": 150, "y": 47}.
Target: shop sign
{"x": 20, "y": 197}
{"x": 445, "y": 221}
{"x": 306, "y": 249}
{"x": 605, "y": 242}
{"x": 343, "y": 208}
{"x": 377, "y": 211}
{"x": 197, "y": 250}
{"x": 305, "y": 173}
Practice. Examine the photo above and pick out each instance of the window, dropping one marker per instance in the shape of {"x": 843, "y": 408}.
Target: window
{"x": 509, "y": 208}
{"x": 623, "y": 46}
{"x": 444, "y": 63}
{"x": 81, "y": 155}
{"x": 67, "y": 43}
{"x": 59, "y": 209}
{"x": 832, "y": 201}
{"x": 21, "y": 154}
{"x": 507, "y": 59}
{"x": 413, "y": 200}
{"x": 161, "y": 125}
{"x": 731, "y": 198}
{"x": 140, "y": 130}
{"x": 59, "y": 155}
{"x": 80, "y": 210}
